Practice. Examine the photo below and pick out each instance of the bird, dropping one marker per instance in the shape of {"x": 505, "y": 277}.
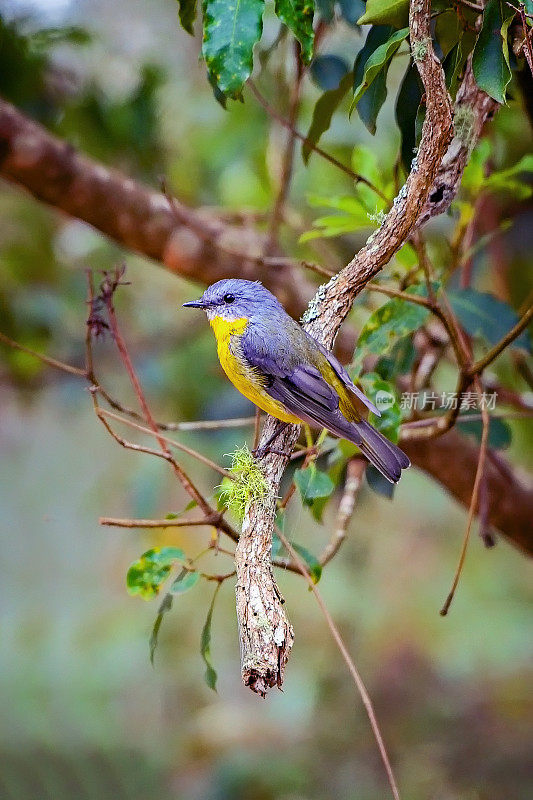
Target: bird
{"x": 286, "y": 372}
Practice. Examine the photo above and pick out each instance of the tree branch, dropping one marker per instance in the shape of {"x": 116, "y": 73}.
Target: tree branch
{"x": 196, "y": 244}
{"x": 323, "y": 319}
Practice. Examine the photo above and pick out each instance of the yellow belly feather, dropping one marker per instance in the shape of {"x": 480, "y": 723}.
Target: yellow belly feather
{"x": 243, "y": 377}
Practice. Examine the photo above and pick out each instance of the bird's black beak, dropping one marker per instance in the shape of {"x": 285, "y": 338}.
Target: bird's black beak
{"x": 194, "y": 304}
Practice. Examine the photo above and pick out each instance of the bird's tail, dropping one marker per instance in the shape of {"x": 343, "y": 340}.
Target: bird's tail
{"x": 383, "y": 454}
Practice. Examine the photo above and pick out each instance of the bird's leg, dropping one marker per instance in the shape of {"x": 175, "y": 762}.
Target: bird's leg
{"x": 260, "y": 452}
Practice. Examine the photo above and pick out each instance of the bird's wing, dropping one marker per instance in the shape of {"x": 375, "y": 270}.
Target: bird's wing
{"x": 303, "y": 390}
{"x": 342, "y": 374}
{"x": 300, "y": 387}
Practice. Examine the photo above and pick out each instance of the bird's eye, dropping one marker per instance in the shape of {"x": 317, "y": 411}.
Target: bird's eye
{"x": 229, "y": 298}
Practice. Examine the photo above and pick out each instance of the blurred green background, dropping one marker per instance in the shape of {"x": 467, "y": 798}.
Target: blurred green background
{"x": 82, "y": 712}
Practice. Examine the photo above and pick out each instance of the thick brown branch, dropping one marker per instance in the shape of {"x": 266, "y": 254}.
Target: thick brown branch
{"x": 194, "y": 243}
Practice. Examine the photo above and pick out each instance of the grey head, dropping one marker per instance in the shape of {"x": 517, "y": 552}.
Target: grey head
{"x": 235, "y": 298}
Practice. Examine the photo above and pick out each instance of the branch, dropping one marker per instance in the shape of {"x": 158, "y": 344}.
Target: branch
{"x": 117, "y": 522}
{"x": 262, "y": 656}
{"x": 498, "y": 348}
{"x": 474, "y": 503}
{"x": 472, "y": 110}
{"x": 354, "y": 475}
{"x": 196, "y": 244}
{"x": 357, "y": 679}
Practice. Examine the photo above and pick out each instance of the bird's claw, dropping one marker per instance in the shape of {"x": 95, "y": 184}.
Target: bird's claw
{"x": 261, "y": 452}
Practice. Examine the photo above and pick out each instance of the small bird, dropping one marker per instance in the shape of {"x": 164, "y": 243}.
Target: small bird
{"x": 277, "y": 365}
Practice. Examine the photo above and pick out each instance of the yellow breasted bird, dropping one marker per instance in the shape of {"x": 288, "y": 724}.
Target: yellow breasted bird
{"x": 273, "y": 362}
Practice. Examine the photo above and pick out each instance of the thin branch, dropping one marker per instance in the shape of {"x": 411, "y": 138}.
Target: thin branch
{"x": 288, "y": 156}
{"x": 51, "y": 362}
{"x": 117, "y": 522}
{"x": 332, "y": 160}
{"x": 397, "y": 293}
{"x": 473, "y": 504}
{"x": 357, "y": 679}
{"x": 354, "y": 474}
{"x": 498, "y": 348}
{"x": 172, "y": 442}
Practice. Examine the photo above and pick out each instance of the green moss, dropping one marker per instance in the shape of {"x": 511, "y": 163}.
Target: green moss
{"x": 419, "y": 49}
{"x": 464, "y": 125}
{"x": 249, "y": 483}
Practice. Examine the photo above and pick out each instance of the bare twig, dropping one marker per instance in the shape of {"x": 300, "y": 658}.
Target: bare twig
{"x": 473, "y": 505}
{"x": 357, "y": 679}
{"x": 288, "y": 156}
{"x": 354, "y": 474}
{"x": 172, "y": 442}
{"x": 332, "y": 160}
{"x": 498, "y": 348}
{"x": 117, "y": 522}
{"x": 51, "y": 362}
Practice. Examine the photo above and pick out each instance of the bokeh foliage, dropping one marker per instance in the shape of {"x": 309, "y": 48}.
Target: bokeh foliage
{"x": 82, "y": 703}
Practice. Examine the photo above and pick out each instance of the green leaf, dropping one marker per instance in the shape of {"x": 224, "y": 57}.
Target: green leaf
{"x": 370, "y": 104}
{"x": 406, "y": 110}
{"x": 322, "y": 114}
{"x": 474, "y": 174}
{"x": 166, "y": 605}
{"x": 490, "y": 61}
{"x": 500, "y": 434}
{"x": 399, "y": 361}
{"x": 311, "y": 562}
{"x": 386, "y": 12}
{"x": 185, "y": 581}
{"x": 146, "y": 575}
{"x": 231, "y": 28}
{"x": 377, "y": 62}
{"x": 391, "y": 322}
{"x": 378, "y": 483}
{"x": 383, "y": 396}
{"x": 501, "y": 179}
{"x": 453, "y": 65}
{"x": 482, "y": 314}
{"x": 315, "y": 487}
{"x": 187, "y": 15}
{"x": 448, "y": 30}
{"x": 297, "y": 15}
{"x": 205, "y": 645}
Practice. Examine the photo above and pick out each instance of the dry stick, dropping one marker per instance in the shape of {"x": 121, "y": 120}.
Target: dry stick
{"x": 117, "y": 522}
{"x": 487, "y": 359}
{"x": 208, "y": 424}
{"x": 107, "y": 295}
{"x": 354, "y": 476}
{"x": 318, "y": 150}
{"x": 160, "y": 437}
{"x": 52, "y": 362}
{"x": 288, "y": 156}
{"x": 365, "y": 697}
{"x": 397, "y": 293}
{"x": 473, "y": 504}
